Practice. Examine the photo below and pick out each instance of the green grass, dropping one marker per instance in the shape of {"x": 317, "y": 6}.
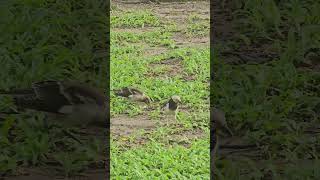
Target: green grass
{"x": 161, "y": 157}
{"x": 134, "y": 19}
{"x": 156, "y": 161}
{"x": 197, "y": 26}
{"x": 44, "y": 40}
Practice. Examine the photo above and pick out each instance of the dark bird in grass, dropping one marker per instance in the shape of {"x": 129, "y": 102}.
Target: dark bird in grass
{"x": 76, "y": 103}
{"x": 133, "y": 94}
{"x": 219, "y": 125}
{"x": 171, "y": 107}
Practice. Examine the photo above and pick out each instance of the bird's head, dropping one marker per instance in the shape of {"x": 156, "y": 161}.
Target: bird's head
{"x": 147, "y": 99}
{"x": 176, "y": 99}
{"x": 219, "y": 119}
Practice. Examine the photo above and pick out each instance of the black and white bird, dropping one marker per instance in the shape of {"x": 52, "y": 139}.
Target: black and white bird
{"x": 219, "y": 124}
{"x": 172, "y": 106}
{"x": 133, "y": 94}
{"x": 75, "y": 103}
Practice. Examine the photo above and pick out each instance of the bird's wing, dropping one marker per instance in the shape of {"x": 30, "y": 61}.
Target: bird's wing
{"x": 52, "y": 94}
{"x": 79, "y": 93}
{"x": 136, "y": 91}
{"x": 124, "y": 92}
{"x": 169, "y": 105}
{"x": 44, "y": 89}
{"x": 130, "y": 92}
{"x": 173, "y": 105}
{"x": 50, "y": 90}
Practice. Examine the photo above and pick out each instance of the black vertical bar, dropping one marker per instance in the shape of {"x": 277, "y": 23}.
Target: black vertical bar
{"x": 212, "y": 133}
{"x": 108, "y": 92}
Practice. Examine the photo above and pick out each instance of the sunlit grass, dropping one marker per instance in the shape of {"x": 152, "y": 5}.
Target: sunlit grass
{"x": 159, "y": 158}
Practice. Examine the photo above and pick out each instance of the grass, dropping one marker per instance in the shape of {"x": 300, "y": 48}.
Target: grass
{"x": 197, "y": 26}
{"x": 44, "y": 40}
{"x": 160, "y": 75}
{"x": 134, "y": 19}
{"x": 272, "y": 104}
{"x": 156, "y": 161}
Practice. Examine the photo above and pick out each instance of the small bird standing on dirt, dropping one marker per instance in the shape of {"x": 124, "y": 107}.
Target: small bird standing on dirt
{"x": 219, "y": 124}
{"x": 172, "y": 106}
{"x": 77, "y": 104}
{"x": 133, "y": 94}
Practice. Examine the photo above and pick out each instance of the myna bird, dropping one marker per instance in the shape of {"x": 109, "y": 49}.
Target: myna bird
{"x": 219, "y": 125}
{"x": 76, "y": 103}
{"x": 219, "y": 119}
{"x": 171, "y": 107}
{"x": 133, "y": 94}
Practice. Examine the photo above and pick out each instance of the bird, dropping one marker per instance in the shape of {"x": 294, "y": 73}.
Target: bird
{"x": 171, "y": 106}
{"x": 133, "y": 94}
{"x": 219, "y": 118}
{"x": 77, "y": 104}
{"x": 219, "y": 125}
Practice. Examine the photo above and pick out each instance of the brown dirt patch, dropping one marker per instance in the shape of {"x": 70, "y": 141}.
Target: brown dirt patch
{"x": 154, "y": 51}
{"x": 126, "y": 126}
{"x": 171, "y": 67}
{"x": 177, "y": 12}
{"x": 182, "y": 40}
{"x": 130, "y": 132}
{"x": 184, "y": 137}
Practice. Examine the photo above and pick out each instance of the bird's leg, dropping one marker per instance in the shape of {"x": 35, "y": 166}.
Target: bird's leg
{"x": 167, "y": 119}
